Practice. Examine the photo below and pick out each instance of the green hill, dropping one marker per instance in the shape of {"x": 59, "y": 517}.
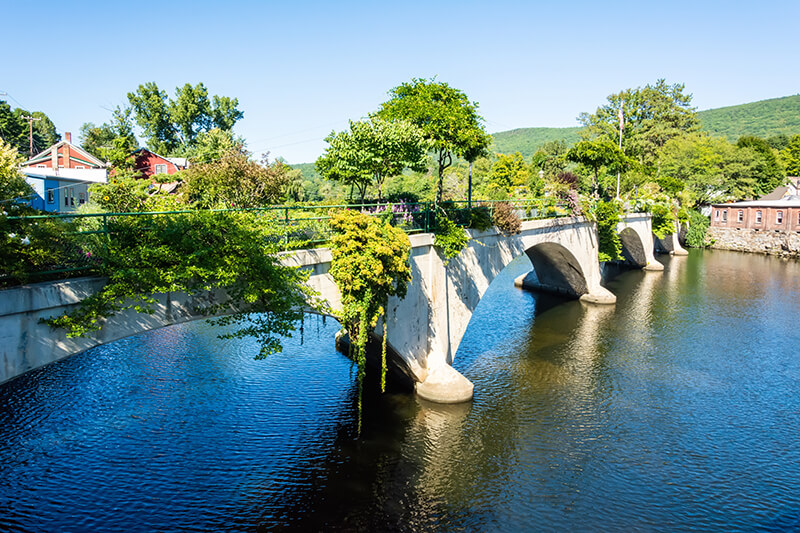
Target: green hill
{"x": 527, "y": 140}
{"x": 765, "y": 119}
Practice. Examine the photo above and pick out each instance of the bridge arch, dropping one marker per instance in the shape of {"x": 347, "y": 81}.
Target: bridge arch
{"x": 556, "y": 270}
{"x": 636, "y": 236}
{"x": 633, "y": 250}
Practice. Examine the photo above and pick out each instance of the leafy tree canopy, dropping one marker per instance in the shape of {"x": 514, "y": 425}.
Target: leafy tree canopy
{"x": 14, "y": 129}
{"x": 446, "y": 117}
{"x": 235, "y": 181}
{"x": 372, "y": 151}
{"x": 653, "y": 115}
{"x": 769, "y": 173}
{"x": 508, "y": 173}
{"x": 172, "y": 126}
{"x": 597, "y": 154}
{"x": 791, "y": 156}
{"x": 112, "y": 141}
{"x": 12, "y": 184}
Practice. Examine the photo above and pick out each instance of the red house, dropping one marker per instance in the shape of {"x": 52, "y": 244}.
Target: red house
{"x": 150, "y": 163}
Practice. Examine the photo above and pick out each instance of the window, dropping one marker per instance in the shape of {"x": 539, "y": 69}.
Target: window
{"x": 40, "y": 166}
{"x": 779, "y": 217}
{"x": 716, "y": 215}
{"x": 71, "y": 197}
{"x": 81, "y": 198}
{"x": 80, "y": 166}
{"x": 740, "y": 216}
{"x": 758, "y": 217}
{"x": 724, "y": 215}
{"x": 51, "y": 197}
{"x": 160, "y": 169}
{"x": 66, "y": 197}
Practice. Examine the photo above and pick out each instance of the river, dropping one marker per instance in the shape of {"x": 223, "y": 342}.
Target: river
{"x": 676, "y": 409}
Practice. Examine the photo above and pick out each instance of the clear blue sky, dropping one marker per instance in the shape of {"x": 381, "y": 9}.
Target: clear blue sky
{"x": 301, "y": 69}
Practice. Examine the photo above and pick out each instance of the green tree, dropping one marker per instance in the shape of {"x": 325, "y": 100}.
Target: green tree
{"x": 653, "y": 115}
{"x": 372, "y": 151}
{"x": 597, "y": 154}
{"x": 235, "y": 181}
{"x": 369, "y": 264}
{"x": 213, "y": 144}
{"x": 791, "y": 156}
{"x": 769, "y": 173}
{"x": 508, "y": 173}
{"x": 12, "y": 184}
{"x": 447, "y": 118}
{"x": 551, "y": 158}
{"x": 713, "y": 169}
{"x": 112, "y": 141}
{"x": 172, "y": 126}
{"x": 15, "y": 130}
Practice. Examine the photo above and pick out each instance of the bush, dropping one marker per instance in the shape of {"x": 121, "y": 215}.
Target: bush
{"x": 449, "y": 237}
{"x": 479, "y": 218}
{"x": 505, "y": 219}
{"x": 607, "y": 218}
{"x": 663, "y": 220}
{"x": 698, "y": 228}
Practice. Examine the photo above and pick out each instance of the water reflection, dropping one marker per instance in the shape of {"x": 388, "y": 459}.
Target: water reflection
{"x": 675, "y": 409}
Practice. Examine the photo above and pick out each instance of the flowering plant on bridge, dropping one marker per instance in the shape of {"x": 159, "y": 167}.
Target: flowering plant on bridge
{"x": 370, "y": 264}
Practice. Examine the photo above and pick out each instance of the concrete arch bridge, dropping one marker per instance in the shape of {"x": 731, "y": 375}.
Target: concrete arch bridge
{"x": 424, "y": 329}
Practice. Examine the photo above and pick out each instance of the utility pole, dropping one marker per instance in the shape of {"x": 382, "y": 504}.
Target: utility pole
{"x": 30, "y": 120}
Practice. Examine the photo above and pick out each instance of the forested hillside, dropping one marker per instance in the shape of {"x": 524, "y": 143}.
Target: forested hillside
{"x": 527, "y": 140}
{"x": 767, "y": 118}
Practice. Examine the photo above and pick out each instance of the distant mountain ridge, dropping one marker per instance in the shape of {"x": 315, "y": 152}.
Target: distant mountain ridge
{"x": 764, "y": 118}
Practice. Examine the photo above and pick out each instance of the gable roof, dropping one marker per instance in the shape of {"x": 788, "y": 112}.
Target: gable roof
{"x": 46, "y": 154}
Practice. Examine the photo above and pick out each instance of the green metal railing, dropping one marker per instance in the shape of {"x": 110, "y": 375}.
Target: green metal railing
{"x": 304, "y": 226}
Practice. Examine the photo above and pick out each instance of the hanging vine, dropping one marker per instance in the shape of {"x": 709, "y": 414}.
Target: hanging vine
{"x": 370, "y": 264}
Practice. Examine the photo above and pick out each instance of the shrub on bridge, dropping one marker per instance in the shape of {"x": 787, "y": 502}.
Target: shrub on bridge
{"x": 506, "y": 219}
{"x": 663, "y": 220}
{"x": 448, "y": 236}
{"x": 606, "y": 215}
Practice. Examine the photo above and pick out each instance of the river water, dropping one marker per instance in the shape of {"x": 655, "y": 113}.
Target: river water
{"x": 676, "y": 409}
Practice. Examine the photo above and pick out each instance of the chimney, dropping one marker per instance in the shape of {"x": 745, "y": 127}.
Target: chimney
{"x": 68, "y": 137}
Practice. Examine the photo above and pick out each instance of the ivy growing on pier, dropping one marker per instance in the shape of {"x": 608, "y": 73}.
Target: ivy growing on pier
{"x": 370, "y": 264}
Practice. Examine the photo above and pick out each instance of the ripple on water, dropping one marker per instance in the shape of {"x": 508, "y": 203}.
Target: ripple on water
{"x": 675, "y": 409}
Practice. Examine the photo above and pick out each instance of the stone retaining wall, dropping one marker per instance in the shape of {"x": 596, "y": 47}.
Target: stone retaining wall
{"x": 773, "y": 242}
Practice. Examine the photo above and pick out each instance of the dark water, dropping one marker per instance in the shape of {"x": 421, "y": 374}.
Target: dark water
{"x": 677, "y": 409}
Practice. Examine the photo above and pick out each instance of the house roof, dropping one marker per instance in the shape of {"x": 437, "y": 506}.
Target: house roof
{"x": 46, "y": 154}
{"x": 80, "y": 175}
{"x": 177, "y": 161}
{"x": 790, "y": 201}
{"x": 777, "y": 194}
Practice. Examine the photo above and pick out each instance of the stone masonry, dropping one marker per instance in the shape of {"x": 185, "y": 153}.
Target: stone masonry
{"x": 772, "y": 242}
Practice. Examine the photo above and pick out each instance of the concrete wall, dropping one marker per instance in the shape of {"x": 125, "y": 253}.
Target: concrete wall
{"x": 773, "y": 242}
{"x": 26, "y": 344}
